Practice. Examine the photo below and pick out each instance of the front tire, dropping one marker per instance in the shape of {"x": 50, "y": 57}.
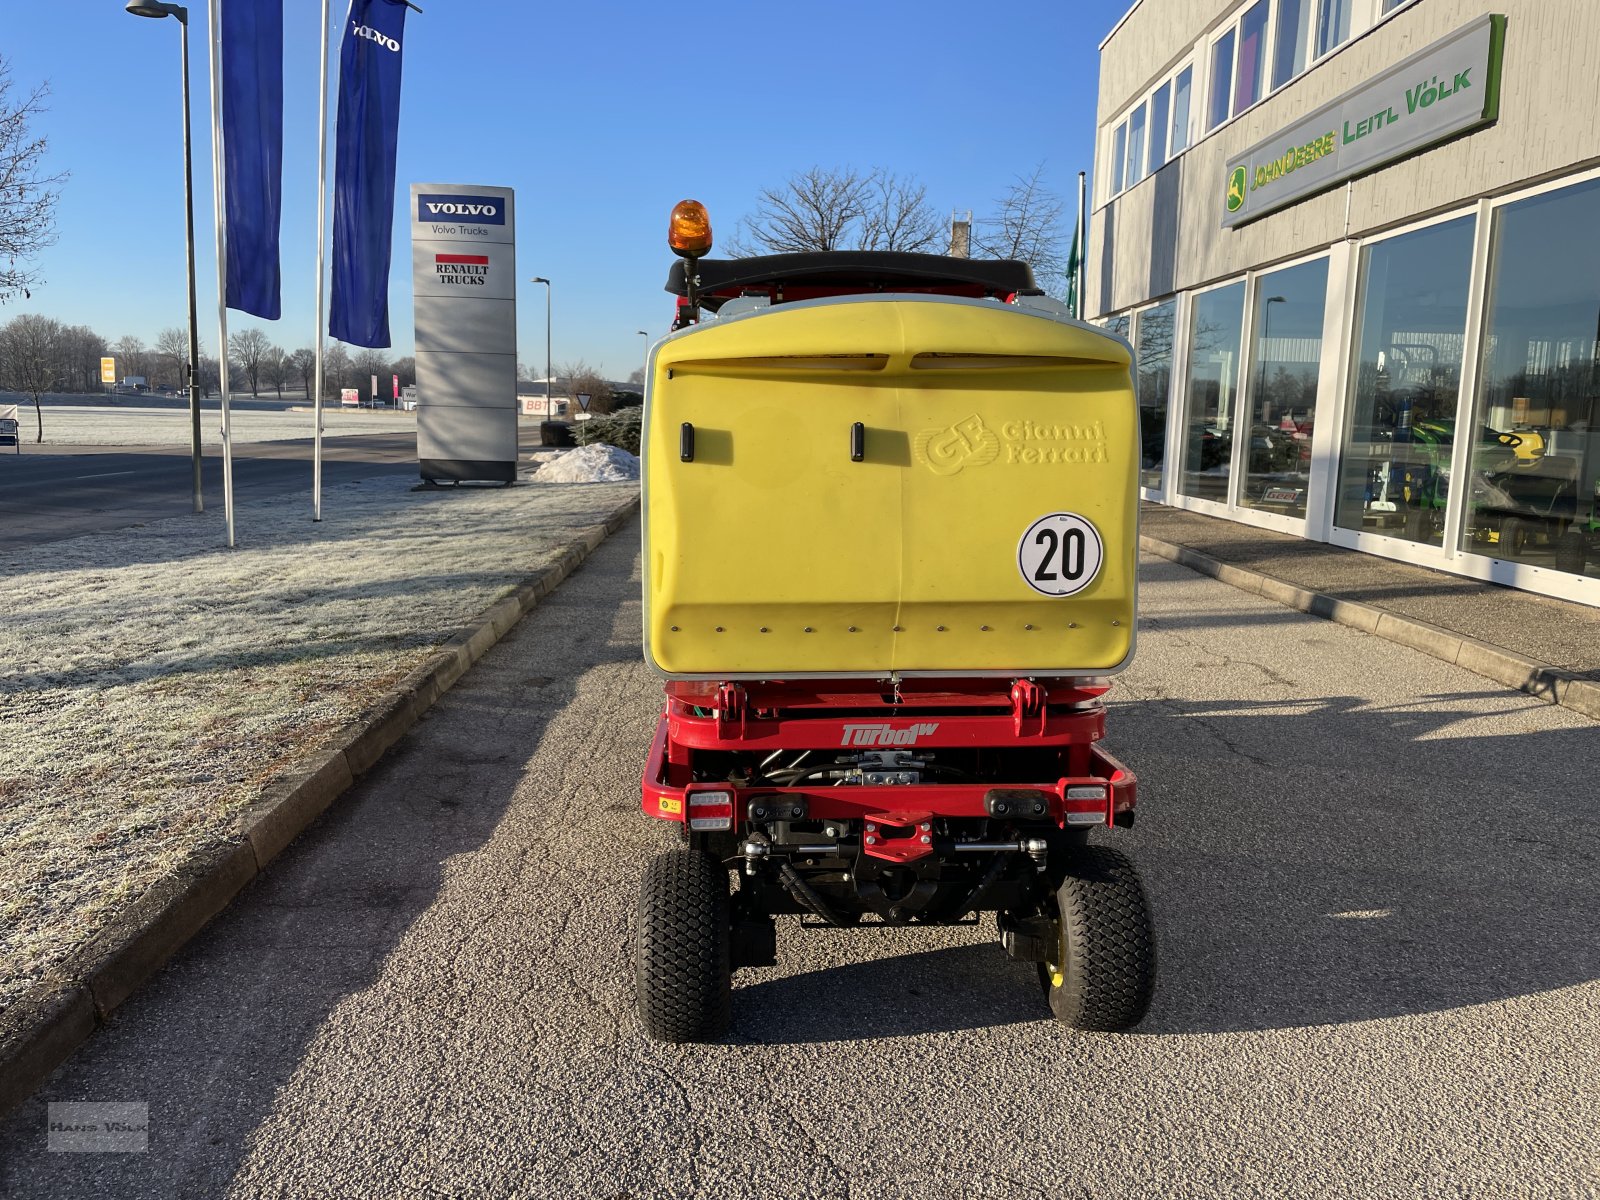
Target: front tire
{"x": 682, "y": 966}
{"x": 1103, "y": 973}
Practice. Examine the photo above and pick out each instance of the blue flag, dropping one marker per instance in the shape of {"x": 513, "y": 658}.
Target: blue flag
{"x": 252, "y": 133}
{"x": 363, "y": 179}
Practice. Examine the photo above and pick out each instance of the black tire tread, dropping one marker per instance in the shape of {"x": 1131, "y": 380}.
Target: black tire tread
{"x": 682, "y": 970}
{"x": 1109, "y": 949}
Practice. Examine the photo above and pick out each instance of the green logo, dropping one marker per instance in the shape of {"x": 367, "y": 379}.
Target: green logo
{"x": 1236, "y": 183}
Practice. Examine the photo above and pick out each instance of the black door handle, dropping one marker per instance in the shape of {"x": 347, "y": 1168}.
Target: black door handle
{"x": 858, "y": 442}
{"x": 686, "y": 442}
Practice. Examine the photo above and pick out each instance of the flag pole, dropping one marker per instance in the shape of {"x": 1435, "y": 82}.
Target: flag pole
{"x": 1083, "y": 248}
{"x": 322, "y": 268}
{"x": 220, "y": 201}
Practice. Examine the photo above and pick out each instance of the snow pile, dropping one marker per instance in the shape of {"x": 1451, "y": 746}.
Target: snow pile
{"x": 598, "y": 463}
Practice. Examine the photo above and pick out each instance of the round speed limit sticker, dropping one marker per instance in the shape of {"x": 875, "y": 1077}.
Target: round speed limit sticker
{"x": 1060, "y": 554}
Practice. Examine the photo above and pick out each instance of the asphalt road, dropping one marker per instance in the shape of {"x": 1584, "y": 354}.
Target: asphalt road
{"x": 1375, "y": 883}
{"x": 55, "y": 492}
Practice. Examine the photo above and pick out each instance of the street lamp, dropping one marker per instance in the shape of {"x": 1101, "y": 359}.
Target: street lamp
{"x": 645, "y": 334}
{"x": 151, "y": 8}
{"x": 549, "y": 382}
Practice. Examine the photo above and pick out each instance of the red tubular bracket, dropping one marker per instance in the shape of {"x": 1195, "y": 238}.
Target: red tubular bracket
{"x": 731, "y": 709}
{"x": 1027, "y": 708}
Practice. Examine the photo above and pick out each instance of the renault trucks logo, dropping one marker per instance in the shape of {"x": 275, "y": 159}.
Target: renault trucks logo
{"x": 1236, "y": 184}
{"x": 884, "y": 735}
{"x": 461, "y": 270}
{"x": 967, "y": 443}
{"x": 475, "y": 210}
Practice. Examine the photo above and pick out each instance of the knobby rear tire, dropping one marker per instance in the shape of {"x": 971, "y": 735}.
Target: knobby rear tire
{"x": 682, "y": 966}
{"x": 1104, "y": 974}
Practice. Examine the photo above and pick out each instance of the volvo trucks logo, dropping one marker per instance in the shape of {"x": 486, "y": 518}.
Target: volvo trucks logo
{"x": 967, "y": 443}
{"x": 372, "y": 35}
{"x": 475, "y": 210}
{"x": 884, "y": 735}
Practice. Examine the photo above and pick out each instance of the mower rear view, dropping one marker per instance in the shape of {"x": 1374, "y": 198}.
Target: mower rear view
{"x": 890, "y": 516}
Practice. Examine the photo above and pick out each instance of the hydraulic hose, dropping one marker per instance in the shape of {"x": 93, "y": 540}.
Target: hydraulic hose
{"x": 807, "y": 895}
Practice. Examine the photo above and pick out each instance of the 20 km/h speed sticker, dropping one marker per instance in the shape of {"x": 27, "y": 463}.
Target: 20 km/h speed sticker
{"x": 1060, "y": 554}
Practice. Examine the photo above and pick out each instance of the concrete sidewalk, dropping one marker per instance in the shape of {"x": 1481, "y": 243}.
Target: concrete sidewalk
{"x": 1548, "y": 648}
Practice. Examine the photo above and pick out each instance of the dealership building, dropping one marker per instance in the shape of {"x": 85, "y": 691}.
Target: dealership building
{"x": 1355, "y": 245}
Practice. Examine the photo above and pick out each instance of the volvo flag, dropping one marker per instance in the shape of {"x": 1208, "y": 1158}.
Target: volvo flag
{"x": 363, "y": 182}
{"x": 252, "y": 140}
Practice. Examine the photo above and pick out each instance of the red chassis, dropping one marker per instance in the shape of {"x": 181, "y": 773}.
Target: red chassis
{"x": 1024, "y": 743}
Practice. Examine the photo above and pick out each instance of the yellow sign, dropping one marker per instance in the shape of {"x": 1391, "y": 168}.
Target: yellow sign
{"x": 108, "y": 370}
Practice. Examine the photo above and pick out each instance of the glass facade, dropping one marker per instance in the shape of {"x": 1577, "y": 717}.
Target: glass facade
{"x": 1152, "y": 356}
{"x": 1282, "y": 380}
{"x": 1535, "y": 470}
{"x": 1216, "y": 329}
{"x": 1411, "y": 320}
{"x": 1182, "y": 88}
{"x": 1247, "y": 76}
{"x": 1221, "y": 80}
{"x": 1160, "y": 102}
{"x": 1293, "y": 46}
{"x": 1135, "y": 171}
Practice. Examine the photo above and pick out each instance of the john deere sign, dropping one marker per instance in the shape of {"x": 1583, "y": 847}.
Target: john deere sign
{"x": 1446, "y": 89}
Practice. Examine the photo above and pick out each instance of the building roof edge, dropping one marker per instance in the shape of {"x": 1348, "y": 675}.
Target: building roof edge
{"x": 1120, "y": 23}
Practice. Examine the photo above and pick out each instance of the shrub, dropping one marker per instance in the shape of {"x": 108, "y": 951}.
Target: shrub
{"x": 619, "y": 429}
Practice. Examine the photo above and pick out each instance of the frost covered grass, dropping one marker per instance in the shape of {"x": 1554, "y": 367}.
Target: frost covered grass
{"x": 151, "y": 682}
{"x": 78, "y": 425}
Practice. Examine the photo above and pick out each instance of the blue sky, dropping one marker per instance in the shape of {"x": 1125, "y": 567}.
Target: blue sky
{"x": 601, "y": 116}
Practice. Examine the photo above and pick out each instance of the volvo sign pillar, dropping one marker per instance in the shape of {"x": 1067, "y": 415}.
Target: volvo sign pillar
{"x": 464, "y": 278}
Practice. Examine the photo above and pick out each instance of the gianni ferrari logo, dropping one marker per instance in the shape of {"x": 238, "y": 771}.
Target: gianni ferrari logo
{"x": 883, "y": 735}
{"x": 967, "y": 443}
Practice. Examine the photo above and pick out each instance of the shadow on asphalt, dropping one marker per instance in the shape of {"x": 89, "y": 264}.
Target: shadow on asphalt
{"x": 939, "y": 991}
{"x": 1389, "y": 868}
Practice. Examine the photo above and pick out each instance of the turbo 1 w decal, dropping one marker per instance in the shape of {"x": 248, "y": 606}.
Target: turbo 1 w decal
{"x": 1060, "y": 554}
{"x": 472, "y": 210}
{"x": 883, "y": 734}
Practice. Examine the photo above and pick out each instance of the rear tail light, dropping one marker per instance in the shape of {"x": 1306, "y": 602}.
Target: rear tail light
{"x": 710, "y": 811}
{"x": 1086, "y": 805}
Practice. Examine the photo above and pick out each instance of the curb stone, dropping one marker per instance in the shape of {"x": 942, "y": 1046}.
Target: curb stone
{"x": 59, "y": 1013}
{"x": 1540, "y": 680}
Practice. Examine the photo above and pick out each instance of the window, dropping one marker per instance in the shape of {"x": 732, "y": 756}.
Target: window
{"x": 1152, "y": 356}
{"x": 1247, "y": 81}
{"x": 1390, "y": 5}
{"x": 1535, "y": 467}
{"x": 1333, "y": 25}
{"x": 1221, "y": 80}
{"x": 1283, "y": 387}
{"x": 1215, "y": 332}
{"x": 1135, "y": 171}
{"x": 1117, "y": 325}
{"x": 1181, "y": 87}
{"x": 1119, "y": 149}
{"x": 1394, "y": 463}
{"x": 1159, "y": 103}
{"x": 1293, "y": 40}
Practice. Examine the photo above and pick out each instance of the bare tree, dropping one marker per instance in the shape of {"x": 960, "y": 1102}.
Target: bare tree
{"x": 636, "y": 376}
{"x": 832, "y": 208}
{"x": 370, "y": 364}
{"x": 81, "y": 349}
{"x": 304, "y": 363}
{"x": 584, "y": 380}
{"x": 406, "y": 368}
{"x": 27, "y": 195}
{"x": 335, "y": 367}
{"x": 131, "y": 356}
{"x": 30, "y": 353}
{"x": 247, "y": 348}
{"x": 1027, "y": 226}
{"x": 172, "y": 345}
{"x": 897, "y": 216}
{"x": 275, "y": 366}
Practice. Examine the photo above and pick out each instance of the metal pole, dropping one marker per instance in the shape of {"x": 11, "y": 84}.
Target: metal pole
{"x": 220, "y": 202}
{"x": 322, "y": 226}
{"x": 549, "y": 378}
{"x": 1083, "y": 240}
{"x": 194, "y": 318}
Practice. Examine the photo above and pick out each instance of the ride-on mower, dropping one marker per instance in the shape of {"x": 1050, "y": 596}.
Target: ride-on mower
{"x": 889, "y": 560}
